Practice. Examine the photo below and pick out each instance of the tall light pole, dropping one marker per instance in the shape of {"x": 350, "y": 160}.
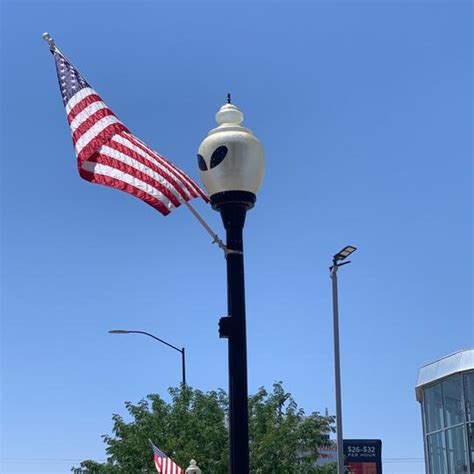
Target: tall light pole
{"x": 231, "y": 164}
{"x": 336, "y": 263}
{"x": 183, "y": 357}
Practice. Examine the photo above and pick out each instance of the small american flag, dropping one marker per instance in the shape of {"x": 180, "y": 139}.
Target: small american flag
{"x": 107, "y": 153}
{"x": 164, "y": 464}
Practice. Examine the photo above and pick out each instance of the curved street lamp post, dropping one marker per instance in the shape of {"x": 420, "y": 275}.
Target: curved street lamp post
{"x": 183, "y": 357}
{"x": 231, "y": 164}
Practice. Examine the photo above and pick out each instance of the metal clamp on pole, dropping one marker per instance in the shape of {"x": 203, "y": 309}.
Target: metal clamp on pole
{"x": 225, "y": 327}
{"x": 215, "y": 237}
{"x": 230, "y": 252}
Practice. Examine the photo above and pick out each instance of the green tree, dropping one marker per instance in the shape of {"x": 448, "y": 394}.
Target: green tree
{"x": 194, "y": 425}
{"x": 330, "y": 468}
{"x": 282, "y": 438}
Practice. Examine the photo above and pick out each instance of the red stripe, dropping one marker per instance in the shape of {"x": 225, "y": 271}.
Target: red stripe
{"x": 103, "y": 137}
{"x": 117, "y": 164}
{"x": 80, "y": 106}
{"x": 89, "y": 122}
{"x": 163, "y": 160}
{"x": 188, "y": 182}
{"x": 197, "y": 189}
{"x": 122, "y": 186}
{"x": 166, "y": 465}
{"x": 158, "y": 463}
{"x": 150, "y": 164}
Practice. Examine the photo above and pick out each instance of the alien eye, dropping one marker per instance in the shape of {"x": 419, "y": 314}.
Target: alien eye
{"x": 202, "y": 163}
{"x": 218, "y": 155}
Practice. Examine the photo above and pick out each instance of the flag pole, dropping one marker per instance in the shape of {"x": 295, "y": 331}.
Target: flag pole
{"x": 215, "y": 237}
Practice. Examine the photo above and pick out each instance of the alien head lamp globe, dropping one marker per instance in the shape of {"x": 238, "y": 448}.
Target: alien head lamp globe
{"x": 231, "y": 157}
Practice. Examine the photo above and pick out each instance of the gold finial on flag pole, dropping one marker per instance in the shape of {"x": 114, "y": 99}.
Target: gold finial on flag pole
{"x": 47, "y": 37}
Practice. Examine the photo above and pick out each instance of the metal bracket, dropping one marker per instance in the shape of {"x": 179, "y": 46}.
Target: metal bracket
{"x": 230, "y": 251}
{"x": 215, "y": 237}
{"x": 225, "y": 327}
{"x": 337, "y": 265}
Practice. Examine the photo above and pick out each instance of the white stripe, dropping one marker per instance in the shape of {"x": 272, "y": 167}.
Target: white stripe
{"x": 93, "y": 131}
{"x": 86, "y": 113}
{"x": 128, "y": 160}
{"x": 185, "y": 177}
{"x": 174, "y": 168}
{"x": 174, "y": 171}
{"x": 77, "y": 97}
{"x": 104, "y": 170}
{"x": 120, "y": 139}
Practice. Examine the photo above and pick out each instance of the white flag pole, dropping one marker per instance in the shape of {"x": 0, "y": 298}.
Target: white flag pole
{"x": 215, "y": 237}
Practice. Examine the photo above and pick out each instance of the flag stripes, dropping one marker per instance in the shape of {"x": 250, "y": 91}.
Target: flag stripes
{"x": 164, "y": 464}
{"x": 107, "y": 153}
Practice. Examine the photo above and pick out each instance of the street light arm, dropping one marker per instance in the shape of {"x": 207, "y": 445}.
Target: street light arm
{"x": 336, "y": 265}
{"x": 181, "y": 351}
{"x": 157, "y": 338}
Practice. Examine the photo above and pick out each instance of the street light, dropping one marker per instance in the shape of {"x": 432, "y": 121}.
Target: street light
{"x": 344, "y": 253}
{"x": 183, "y": 358}
{"x": 339, "y": 257}
{"x": 231, "y": 164}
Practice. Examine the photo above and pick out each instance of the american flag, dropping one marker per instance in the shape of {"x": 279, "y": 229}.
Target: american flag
{"x": 164, "y": 464}
{"x": 107, "y": 153}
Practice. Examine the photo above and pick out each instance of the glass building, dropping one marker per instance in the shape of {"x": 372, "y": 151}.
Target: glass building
{"x": 445, "y": 390}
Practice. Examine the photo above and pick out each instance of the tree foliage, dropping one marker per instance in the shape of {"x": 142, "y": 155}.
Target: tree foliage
{"x": 193, "y": 425}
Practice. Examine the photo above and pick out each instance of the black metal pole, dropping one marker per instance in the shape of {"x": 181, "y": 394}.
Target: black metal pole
{"x": 183, "y": 359}
{"x": 233, "y": 206}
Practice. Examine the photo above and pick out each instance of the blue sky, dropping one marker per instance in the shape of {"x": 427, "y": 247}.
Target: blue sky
{"x": 365, "y": 113}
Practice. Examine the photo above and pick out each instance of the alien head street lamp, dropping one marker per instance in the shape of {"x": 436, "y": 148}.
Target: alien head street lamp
{"x": 182, "y": 351}
{"x": 231, "y": 164}
{"x": 339, "y": 257}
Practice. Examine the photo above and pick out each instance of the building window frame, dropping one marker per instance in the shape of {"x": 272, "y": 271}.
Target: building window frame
{"x": 444, "y": 429}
